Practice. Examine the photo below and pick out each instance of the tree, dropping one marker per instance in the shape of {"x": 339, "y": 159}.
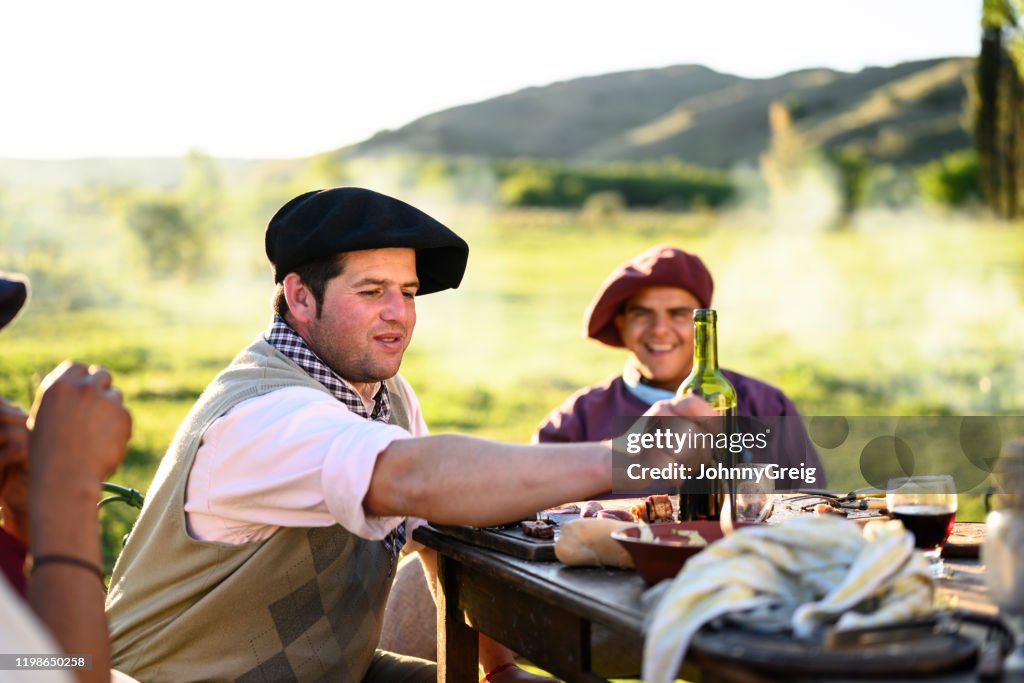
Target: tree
{"x": 996, "y": 107}
{"x": 176, "y": 229}
{"x": 201, "y": 187}
{"x": 951, "y": 180}
{"x": 851, "y": 167}
{"x": 171, "y": 242}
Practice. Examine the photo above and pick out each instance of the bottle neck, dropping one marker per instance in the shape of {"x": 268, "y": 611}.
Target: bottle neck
{"x": 705, "y": 344}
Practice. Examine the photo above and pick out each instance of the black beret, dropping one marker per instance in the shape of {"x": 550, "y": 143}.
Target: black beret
{"x": 324, "y": 222}
{"x": 13, "y": 293}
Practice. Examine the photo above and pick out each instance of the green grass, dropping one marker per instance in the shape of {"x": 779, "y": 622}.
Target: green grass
{"x": 903, "y": 315}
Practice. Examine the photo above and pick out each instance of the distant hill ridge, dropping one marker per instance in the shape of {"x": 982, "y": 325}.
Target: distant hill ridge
{"x": 908, "y": 113}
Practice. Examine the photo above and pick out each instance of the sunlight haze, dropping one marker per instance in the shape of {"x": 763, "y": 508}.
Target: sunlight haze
{"x": 252, "y": 79}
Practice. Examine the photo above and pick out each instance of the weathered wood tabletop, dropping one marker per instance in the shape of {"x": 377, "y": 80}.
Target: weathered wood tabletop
{"x": 545, "y": 610}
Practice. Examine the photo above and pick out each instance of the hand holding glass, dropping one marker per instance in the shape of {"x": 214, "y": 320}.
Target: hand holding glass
{"x": 927, "y": 507}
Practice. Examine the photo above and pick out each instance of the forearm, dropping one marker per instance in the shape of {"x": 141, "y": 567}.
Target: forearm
{"x": 68, "y": 598}
{"x": 455, "y": 479}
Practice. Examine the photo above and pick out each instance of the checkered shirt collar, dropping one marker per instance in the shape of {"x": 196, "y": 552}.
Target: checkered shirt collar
{"x": 286, "y": 340}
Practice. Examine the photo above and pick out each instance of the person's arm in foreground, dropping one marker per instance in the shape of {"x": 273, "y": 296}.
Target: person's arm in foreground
{"x": 79, "y": 434}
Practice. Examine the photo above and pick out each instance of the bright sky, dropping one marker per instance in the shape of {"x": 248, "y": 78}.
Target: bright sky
{"x": 258, "y": 78}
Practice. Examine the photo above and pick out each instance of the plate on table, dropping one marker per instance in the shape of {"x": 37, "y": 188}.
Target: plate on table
{"x": 781, "y": 657}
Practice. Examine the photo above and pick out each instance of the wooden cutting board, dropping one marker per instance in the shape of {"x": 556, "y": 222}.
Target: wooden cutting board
{"x": 511, "y": 541}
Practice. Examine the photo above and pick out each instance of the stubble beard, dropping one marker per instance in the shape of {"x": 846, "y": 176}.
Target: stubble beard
{"x": 352, "y": 365}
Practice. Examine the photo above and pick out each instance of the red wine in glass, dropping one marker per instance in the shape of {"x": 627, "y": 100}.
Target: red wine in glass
{"x": 926, "y": 505}
{"x": 930, "y": 524}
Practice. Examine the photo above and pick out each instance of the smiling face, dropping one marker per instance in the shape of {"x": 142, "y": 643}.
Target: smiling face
{"x": 656, "y": 325}
{"x": 367, "y": 318}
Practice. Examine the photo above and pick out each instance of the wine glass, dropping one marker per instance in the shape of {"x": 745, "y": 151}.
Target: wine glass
{"x": 751, "y": 500}
{"x": 927, "y": 507}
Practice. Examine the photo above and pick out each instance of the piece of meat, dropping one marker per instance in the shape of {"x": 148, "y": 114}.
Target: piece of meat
{"x": 826, "y": 509}
{"x": 539, "y": 528}
{"x": 639, "y": 511}
{"x": 591, "y": 508}
{"x": 564, "y": 510}
{"x": 624, "y": 515}
{"x": 659, "y": 508}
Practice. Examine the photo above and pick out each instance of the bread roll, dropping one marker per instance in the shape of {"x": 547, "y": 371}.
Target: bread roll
{"x": 587, "y": 542}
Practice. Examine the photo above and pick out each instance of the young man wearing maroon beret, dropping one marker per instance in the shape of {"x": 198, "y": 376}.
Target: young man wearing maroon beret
{"x": 646, "y": 306}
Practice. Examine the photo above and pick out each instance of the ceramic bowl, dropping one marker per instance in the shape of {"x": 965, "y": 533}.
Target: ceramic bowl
{"x": 663, "y": 557}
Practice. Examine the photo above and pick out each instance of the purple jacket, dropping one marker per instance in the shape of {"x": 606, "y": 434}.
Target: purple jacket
{"x": 587, "y": 416}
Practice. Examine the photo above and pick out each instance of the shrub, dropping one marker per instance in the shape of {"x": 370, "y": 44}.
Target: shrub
{"x": 952, "y": 180}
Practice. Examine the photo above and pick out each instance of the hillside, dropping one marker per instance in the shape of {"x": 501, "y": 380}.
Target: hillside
{"x": 906, "y": 113}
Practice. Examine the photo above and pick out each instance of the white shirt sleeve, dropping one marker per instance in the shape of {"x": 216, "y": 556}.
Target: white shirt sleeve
{"x": 22, "y": 633}
{"x": 295, "y": 457}
{"x": 418, "y": 427}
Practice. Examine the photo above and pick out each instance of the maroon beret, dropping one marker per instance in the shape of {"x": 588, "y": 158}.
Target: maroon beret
{"x": 665, "y": 266}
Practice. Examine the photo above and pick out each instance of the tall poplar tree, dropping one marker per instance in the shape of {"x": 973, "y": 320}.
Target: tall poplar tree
{"x": 997, "y": 107}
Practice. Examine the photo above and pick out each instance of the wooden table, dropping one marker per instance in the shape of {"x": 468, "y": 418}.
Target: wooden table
{"x": 545, "y": 610}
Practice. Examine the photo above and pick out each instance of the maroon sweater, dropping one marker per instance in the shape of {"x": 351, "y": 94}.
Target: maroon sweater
{"x": 587, "y": 416}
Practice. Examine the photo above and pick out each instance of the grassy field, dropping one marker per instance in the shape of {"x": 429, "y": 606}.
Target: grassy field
{"x": 904, "y": 314}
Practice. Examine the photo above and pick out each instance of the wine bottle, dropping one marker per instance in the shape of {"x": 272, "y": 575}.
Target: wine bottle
{"x": 704, "y": 499}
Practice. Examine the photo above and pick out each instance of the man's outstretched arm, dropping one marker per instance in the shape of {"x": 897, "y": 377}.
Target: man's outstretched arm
{"x": 456, "y": 479}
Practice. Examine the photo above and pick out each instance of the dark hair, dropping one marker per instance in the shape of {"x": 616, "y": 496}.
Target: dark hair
{"x": 315, "y": 275}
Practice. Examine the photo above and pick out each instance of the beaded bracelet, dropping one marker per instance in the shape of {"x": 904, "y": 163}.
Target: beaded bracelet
{"x": 39, "y": 560}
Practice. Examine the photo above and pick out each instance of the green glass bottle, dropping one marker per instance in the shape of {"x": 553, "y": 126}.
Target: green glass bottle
{"x": 705, "y": 499}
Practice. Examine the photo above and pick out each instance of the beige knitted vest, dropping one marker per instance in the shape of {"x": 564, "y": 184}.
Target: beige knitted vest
{"x": 303, "y": 605}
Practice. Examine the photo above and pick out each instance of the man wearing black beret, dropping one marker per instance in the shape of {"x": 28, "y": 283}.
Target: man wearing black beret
{"x": 270, "y": 535}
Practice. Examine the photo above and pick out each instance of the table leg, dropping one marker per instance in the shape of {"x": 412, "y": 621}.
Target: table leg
{"x": 457, "y": 652}
{"x": 550, "y": 637}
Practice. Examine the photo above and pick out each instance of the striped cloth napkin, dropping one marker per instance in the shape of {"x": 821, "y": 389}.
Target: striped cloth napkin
{"x": 817, "y": 570}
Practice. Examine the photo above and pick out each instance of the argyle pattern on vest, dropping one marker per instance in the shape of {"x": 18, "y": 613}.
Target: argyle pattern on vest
{"x": 302, "y": 605}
